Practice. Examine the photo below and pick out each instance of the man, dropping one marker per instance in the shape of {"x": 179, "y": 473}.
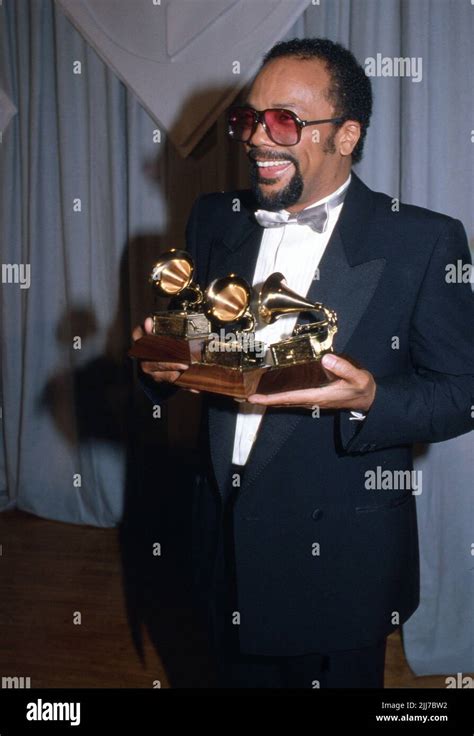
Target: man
{"x": 304, "y": 563}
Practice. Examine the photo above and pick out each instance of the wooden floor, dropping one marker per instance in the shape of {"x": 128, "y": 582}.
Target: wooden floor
{"x": 50, "y": 572}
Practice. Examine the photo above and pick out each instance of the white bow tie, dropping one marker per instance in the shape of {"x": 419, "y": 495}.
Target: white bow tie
{"x": 314, "y": 217}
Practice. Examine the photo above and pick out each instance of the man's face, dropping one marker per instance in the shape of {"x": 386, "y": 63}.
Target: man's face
{"x": 313, "y": 167}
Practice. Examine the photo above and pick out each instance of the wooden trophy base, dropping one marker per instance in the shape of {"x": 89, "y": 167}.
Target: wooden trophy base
{"x": 239, "y": 383}
{"x": 311, "y": 374}
{"x": 165, "y": 349}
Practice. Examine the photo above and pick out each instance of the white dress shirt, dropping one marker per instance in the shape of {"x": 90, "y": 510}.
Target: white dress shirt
{"x": 296, "y": 251}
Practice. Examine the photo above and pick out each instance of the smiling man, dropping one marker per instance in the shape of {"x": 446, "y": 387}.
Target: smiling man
{"x": 289, "y": 92}
{"x": 302, "y": 566}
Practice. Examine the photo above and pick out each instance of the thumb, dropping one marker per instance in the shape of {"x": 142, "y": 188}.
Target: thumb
{"x": 148, "y": 324}
{"x": 137, "y": 333}
{"x": 339, "y": 366}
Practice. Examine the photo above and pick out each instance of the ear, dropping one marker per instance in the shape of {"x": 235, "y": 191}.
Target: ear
{"x": 347, "y": 137}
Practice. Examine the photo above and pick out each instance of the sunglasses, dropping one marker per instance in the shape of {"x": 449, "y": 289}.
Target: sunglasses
{"x": 282, "y": 126}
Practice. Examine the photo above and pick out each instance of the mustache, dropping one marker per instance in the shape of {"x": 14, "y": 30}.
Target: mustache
{"x": 253, "y": 155}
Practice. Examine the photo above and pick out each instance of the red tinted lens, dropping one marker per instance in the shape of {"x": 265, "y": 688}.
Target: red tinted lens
{"x": 241, "y": 123}
{"x": 282, "y": 127}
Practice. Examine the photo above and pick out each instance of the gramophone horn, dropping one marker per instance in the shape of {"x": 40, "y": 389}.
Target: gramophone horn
{"x": 173, "y": 272}
{"x": 276, "y": 299}
{"x": 227, "y": 300}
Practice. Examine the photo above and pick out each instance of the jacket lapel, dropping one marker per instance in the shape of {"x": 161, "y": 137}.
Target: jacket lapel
{"x": 349, "y": 273}
{"x": 346, "y": 289}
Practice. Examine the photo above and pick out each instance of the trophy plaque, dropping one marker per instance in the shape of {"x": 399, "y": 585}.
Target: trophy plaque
{"x": 234, "y": 363}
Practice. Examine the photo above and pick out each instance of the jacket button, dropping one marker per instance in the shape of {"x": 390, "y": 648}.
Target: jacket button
{"x": 316, "y": 515}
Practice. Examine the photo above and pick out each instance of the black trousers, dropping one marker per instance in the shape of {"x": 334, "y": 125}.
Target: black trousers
{"x": 357, "y": 668}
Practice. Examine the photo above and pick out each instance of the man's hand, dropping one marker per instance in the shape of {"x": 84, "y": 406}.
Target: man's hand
{"x": 355, "y": 389}
{"x": 160, "y": 372}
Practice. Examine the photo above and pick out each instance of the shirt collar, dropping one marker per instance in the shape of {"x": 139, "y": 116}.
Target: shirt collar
{"x": 328, "y": 197}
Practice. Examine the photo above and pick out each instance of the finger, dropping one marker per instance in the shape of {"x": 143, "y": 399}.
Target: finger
{"x": 286, "y": 398}
{"x": 165, "y": 376}
{"x": 148, "y": 325}
{"x": 152, "y": 367}
{"x": 325, "y": 397}
{"x": 341, "y": 367}
{"x": 294, "y": 406}
{"x": 137, "y": 333}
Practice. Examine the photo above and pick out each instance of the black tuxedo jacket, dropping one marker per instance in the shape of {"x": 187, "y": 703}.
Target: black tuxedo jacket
{"x": 323, "y": 560}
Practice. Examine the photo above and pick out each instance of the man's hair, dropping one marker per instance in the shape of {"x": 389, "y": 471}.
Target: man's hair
{"x": 350, "y": 90}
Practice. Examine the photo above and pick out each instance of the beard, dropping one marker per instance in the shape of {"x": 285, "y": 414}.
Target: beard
{"x": 289, "y": 195}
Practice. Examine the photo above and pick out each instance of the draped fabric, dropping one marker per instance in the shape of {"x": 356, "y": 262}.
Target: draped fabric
{"x": 186, "y": 59}
{"x": 90, "y": 193}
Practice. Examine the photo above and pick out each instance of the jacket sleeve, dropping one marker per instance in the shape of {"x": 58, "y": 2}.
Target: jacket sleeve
{"x": 159, "y": 392}
{"x": 435, "y": 401}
